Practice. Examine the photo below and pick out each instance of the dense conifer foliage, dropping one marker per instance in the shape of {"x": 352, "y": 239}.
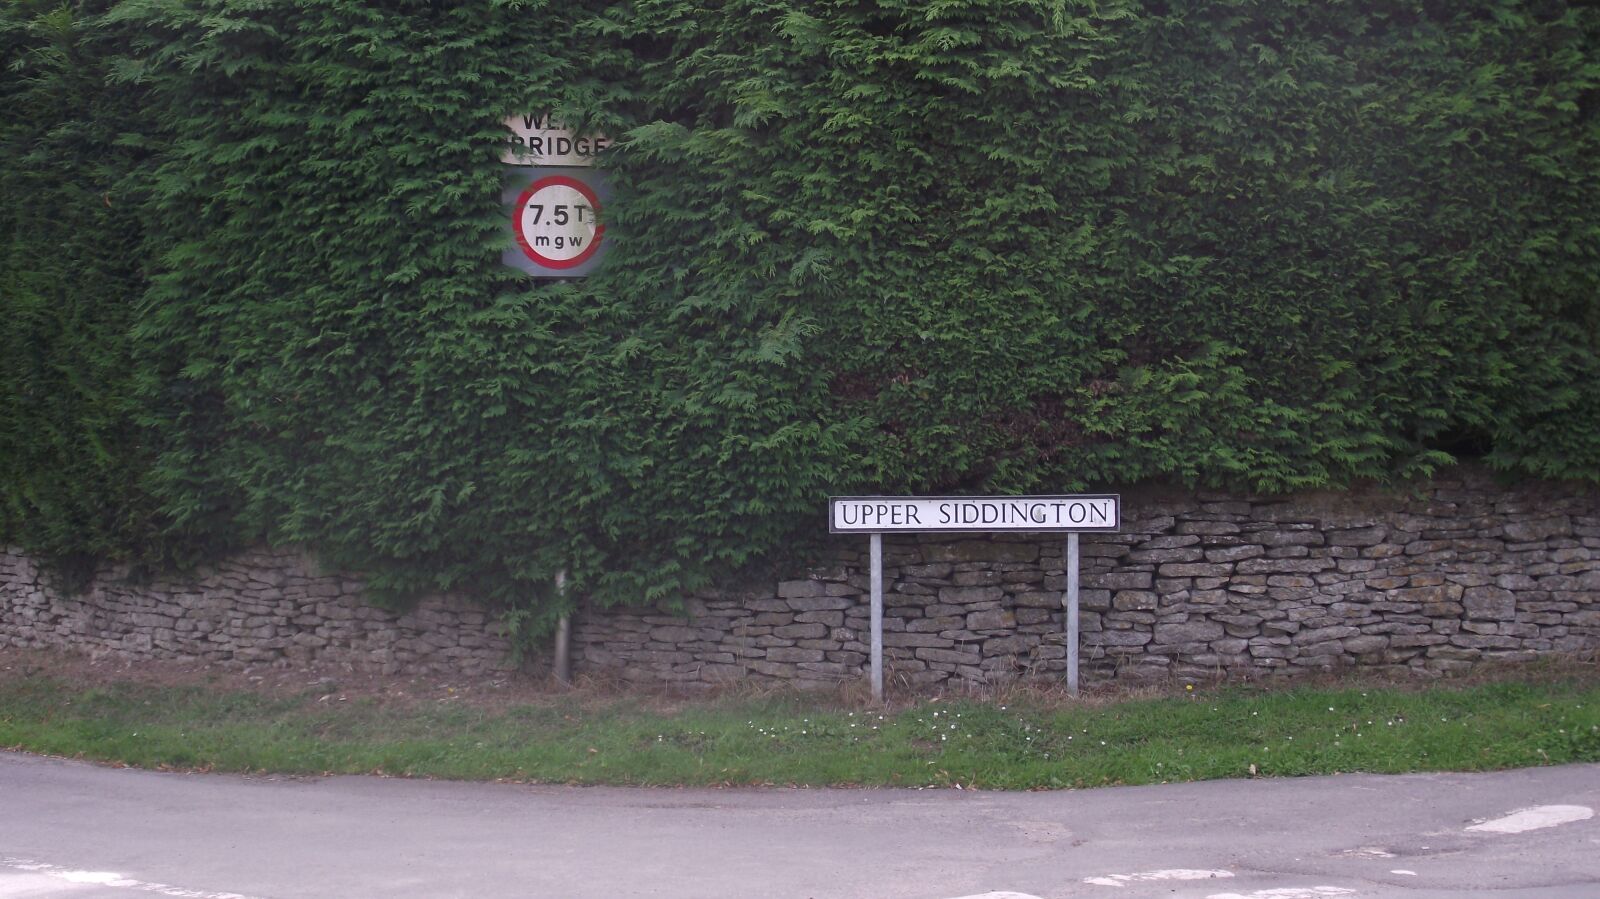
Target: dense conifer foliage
{"x": 249, "y": 262}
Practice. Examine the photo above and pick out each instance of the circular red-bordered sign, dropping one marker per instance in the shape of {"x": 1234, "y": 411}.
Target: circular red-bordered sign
{"x": 557, "y": 222}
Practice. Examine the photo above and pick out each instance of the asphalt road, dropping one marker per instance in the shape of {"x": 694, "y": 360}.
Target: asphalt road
{"x": 85, "y": 832}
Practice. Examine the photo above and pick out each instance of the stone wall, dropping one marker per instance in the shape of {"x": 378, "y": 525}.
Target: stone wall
{"x": 257, "y": 608}
{"x": 1424, "y": 580}
{"x": 1427, "y": 580}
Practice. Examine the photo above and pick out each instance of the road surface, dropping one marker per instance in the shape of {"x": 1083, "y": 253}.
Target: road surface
{"x": 85, "y": 832}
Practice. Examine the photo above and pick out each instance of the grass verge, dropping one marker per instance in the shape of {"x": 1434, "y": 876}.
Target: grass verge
{"x": 1024, "y": 741}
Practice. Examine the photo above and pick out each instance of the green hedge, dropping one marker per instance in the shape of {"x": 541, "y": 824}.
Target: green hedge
{"x": 252, "y": 289}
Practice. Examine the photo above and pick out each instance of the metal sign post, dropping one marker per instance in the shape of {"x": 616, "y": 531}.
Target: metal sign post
{"x": 1072, "y": 614}
{"x": 1071, "y": 515}
{"x": 877, "y": 617}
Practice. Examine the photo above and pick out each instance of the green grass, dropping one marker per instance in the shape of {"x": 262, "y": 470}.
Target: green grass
{"x": 1025, "y": 743}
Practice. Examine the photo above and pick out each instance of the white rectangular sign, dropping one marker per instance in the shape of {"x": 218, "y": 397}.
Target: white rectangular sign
{"x": 1082, "y": 512}
{"x": 539, "y": 140}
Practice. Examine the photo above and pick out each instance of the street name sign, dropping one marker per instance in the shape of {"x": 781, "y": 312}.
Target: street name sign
{"x": 1037, "y": 514}
{"x": 1070, "y": 514}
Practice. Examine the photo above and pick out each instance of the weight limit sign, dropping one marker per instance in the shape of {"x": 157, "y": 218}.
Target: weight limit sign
{"x": 556, "y": 220}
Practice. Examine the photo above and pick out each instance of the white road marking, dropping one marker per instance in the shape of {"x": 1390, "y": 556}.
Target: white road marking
{"x": 108, "y": 879}
{"x": 1534, "y": 818}
{"x": 1122, "y": 880}
{"x": 1287, "y": 893}
{"x": 21, "y": 885}
{"x": 1404, "y": 871}
{"x": 1001, "y": 895}
{"x": 1368, "y": 852}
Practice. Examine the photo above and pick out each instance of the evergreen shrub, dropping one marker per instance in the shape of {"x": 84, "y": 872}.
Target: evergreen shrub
{"x": 249, "y": 262}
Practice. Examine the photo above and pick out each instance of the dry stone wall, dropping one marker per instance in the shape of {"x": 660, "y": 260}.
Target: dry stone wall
{"x": 258, "y": 608}
{"x": 1429, "y": 579}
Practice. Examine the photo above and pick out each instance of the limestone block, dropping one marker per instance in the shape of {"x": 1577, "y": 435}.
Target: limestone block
{"x": 820, "y": 603}
{"x": 1329, "y": 649}
{"x": 980, "y": 551}
{"x": 1041, "y": 600}
{"x": 918, "y": 640}
{"x": 1031, "y": 616}
{"x": 1118, "y": 580}
{"x": 1089, "y": 550}
{"x": 1322, "y": 634}
{"x": 1117, "y": 638}
{"x": 1485, "y": 641}
{"x": 1490, "y": 603}
{"x": 992, "y": 619}
{"x": 1194, "y": 631}
{"x": 1538, "y": 529}
{"x": 1366, "y": 643}
{"x": 970, "y": 595}
{"x": 661, "y": 657}
{"x": 1283, "y": 566}
{"x": 1169, "y": 542}
{"x": 833, "y": 618}
{"x": 1207, "y": 528}
{"x": 1234, "y": 553}
{"x": 796, "y": 589}
{"x": 983, "y": 578}
{"x": 935, "y": 624}
{"x": 1194, "y": 569}
{"x": 1009, "y": 645}
{"x": 1276, "y": 538}
{"x": 773, "y": 669}
{"x": 949, "y": 656}
{"x": 1442, "y": 593}
{"x": 1369, "y": 536}
{"x": 1163, "y": 556}
{"x": 1135, "y": 599}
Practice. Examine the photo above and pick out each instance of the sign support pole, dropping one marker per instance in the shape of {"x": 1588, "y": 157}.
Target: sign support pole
{"x": 1072, "y": 613}
{"x": 877, "y": 617}
{"x": 563, "y": 660}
